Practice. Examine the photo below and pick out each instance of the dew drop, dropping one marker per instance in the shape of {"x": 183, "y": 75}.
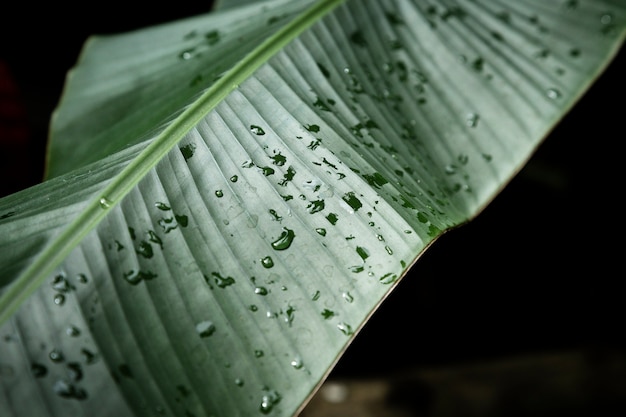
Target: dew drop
{"x": 205, "y": 328}
{"x": 471, "y": 119}
{"x": 59, "y": 299}
{"x": 234, "y": 178}
{"x": 82, "y": 278}
{"x": 553, "y": 93}
{"x": 38, "y": 370}
{"x": 267, "y": 262}
{"x": 321, "y": 231}
{"x": 257, "y": 130}
{"x": 268, "y": 401}
{"x": 162, "y": 206}
{"x": 64, "y": 389}
{"x": 285, "y": 239}
{"x": 259, "y": 353}
{"x": 186, "y": 55}
{"x": 261, "y": 291}
{"x": 219, "y": 193}
{"x": 105, "y": 203}
{"x": 606, "y": 19}
{"x": 55, "y": 356}
{"x": 345, "y": 328}
{"x": 297, "y": 362}
{"x": 72, "y": 331}
{"x": 239, "y": 382}
{"x": 348, "y": 297}
{"x": 75, "y": 371}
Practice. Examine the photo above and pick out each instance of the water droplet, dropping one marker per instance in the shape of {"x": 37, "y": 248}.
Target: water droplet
{"x": 219, "y": 193}
{"x": 471, "y": 119}
{"x": 267, "y": 262}
{"x": 257, "y": 130}
{"x": 239, "y": 382}
{"x": 606, "y": 19}
{"x": 90, "y": 357}
{"x": 285, "y": 239}
{"x": 258, "y": 353}
{"x": 186, "y": 55}
{"x": 72, "y": 331}
{"x": 64, "y": 389}
{"x": 268, "y": 401}
{"x": 234, "y": 178}
{"x": 61, "y": 284}
{"x": 55, "y": 356}
{"x": 253, "y": 307}
{"x": 188, "y": 150}
{"x": 82, "y": 278}
{"x": 75, "y": 371}
{"x": 389, "y": 250}
{"x": 105, "y": 203}
{"x": 205, "y": 328}
{"x": 345, "y": 328}
{"x": 321, "y": 231}
{"x": 38, "y": 370}
{"x": 59, "y": 299}
{"x": 553, "y": 93}
{"x": 297, "y": 362}
{"x": 162, "y": 206}
{"x": 363, "y": 253}
{"x": 261, "y": 291}
{"x": 348, "y": 297}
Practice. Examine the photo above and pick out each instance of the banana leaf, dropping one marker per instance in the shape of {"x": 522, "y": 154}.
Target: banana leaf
{"x": 231, "y": 196}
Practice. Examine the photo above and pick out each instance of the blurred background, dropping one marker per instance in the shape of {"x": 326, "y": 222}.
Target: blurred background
{"x": 521, "y": 312}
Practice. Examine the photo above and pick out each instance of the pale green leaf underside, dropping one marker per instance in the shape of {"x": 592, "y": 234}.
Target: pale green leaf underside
{"x": 363, "y": 140}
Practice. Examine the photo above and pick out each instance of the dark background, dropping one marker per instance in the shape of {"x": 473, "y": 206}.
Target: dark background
{"x": 541, "y": 270}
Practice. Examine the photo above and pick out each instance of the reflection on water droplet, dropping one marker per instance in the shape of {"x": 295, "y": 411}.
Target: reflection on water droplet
{"x": 239, "y": 382}
{"x": 64, "y": 389}
{"x": 185, "y": 55}
{"x": 606, "y": 19}
{"x": 219, "y": 193}
{"x": 321, "y": 231}
{"x": 205, "y": 328}
{"x": 348, "y": 297}
{"x": 234, "y": 178}
{"x": 90, "y": 357}
{"x": 82, "y": 278}
{"x": 259, "y": 353}
{"x": 553, "y": 93}
{"x": 105, "y": 203}
{"x": 285, "y": 239}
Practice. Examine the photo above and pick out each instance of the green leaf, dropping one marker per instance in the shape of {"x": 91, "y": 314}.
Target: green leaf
{"x": 231, "y": 196}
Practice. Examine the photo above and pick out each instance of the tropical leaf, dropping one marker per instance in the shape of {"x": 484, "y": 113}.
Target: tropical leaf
{"x": 231, "y": 196}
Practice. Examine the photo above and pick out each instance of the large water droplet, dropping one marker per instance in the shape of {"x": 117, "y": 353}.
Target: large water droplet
{"x": 285, "y": 239}
{"x": 257, "y": 130}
